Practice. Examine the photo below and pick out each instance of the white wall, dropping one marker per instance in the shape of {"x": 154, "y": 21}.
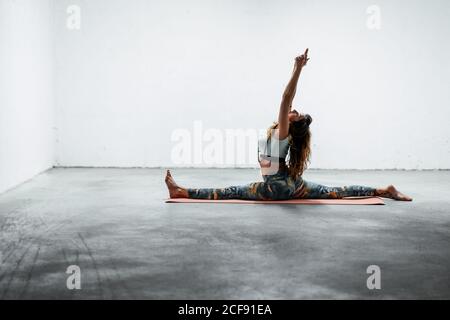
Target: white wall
{"x": 26, "y": 90}
{"x": 138, "y": 70}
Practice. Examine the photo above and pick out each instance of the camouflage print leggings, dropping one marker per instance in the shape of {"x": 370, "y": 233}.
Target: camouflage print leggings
{"x": 280, "y": 187}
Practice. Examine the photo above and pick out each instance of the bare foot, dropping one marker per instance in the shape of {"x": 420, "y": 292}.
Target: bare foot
{"x": 393, "y": 193}
{"x": 175, "y": 191}
{"x": 397, "y": 195}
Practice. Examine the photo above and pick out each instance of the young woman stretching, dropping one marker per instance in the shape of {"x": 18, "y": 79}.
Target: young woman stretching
{"x": 288, "y": 139}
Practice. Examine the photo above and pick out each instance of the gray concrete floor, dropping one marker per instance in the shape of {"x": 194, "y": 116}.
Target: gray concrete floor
{"x": 114, "y": 224}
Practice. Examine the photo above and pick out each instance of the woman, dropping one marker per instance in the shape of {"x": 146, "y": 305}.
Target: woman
{"x": 288, "y": 139}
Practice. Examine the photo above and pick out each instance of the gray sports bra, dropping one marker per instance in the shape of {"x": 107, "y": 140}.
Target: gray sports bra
{"x": 272, "y": 148}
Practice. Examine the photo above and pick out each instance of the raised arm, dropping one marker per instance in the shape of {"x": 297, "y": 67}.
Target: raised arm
{"x": 288, "y": 96}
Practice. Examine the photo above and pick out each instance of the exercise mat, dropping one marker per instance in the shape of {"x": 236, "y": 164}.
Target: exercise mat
{"x": 347, "y": 201}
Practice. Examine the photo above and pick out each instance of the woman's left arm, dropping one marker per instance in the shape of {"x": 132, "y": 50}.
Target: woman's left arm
{"x": 288, "y": 96}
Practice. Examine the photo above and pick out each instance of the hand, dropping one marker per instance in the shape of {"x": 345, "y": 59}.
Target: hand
{"x": 302, "y": 60}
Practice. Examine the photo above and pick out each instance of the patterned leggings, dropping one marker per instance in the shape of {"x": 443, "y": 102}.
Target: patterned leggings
{"x": 280, "y": 187}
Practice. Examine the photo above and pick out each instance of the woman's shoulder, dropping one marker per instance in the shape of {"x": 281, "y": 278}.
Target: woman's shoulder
{"x": 274, "y": 134}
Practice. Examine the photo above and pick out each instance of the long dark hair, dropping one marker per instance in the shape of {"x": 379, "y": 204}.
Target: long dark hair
{"x": 299, "y": 145}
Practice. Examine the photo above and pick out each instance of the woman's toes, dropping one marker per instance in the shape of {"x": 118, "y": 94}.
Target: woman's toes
{"x": 397, "y": 195}
{"x": 404, "y": 197}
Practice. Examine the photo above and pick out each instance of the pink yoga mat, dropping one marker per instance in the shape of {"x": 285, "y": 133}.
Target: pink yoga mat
{"x": 352, "y": 201}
